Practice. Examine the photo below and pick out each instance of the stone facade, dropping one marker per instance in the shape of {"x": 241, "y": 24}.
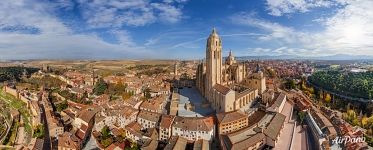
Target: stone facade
{"x": 221, "y": 84}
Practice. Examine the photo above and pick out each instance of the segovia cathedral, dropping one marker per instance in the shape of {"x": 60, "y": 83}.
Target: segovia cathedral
{"x": 226, "y": 85}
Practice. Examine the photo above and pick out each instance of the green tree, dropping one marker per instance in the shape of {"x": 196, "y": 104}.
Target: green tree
{"x": 100, "y": 87}
{"x": 39, "y": 131}
{"x": 62, "y": 106}
{"x": 105, "y": 131}
{"x": 302, "y": 116}
{"x": 147, "y": 94}
{"x": 290, "y": 84}
{"x": 107, "y": 142}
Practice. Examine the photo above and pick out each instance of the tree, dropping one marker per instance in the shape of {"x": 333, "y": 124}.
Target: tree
{"x": 107, "y": 142}
{"x": 100, "y": 87}
{"x": 364, "y": 121}
{"x": 290, "y": 84}
{"x": 271, "y": 73}
{"x": 105, "y": 131}
{"x": 327, "y": 98}
{"x": 39, "y": 131}
{"x": 147, "y": 94}
{"x": 126, "y": 95}
{"x": 62, "y": 106}
{"x": 302, "y": 115}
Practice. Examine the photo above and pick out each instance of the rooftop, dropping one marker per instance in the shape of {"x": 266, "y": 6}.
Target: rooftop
{"x": 230, "y": 116}
{"x": 194, "y": 123}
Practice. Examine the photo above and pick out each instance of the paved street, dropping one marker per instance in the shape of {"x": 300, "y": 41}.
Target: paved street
{"x": 91, "y": 144}
{"x": 47, "y": 140}
{"x": 300, "y": 139}
{"x": 284, "y": 141}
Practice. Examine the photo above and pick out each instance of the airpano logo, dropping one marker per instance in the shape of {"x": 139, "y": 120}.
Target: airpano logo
{"x": 348, "y": 139}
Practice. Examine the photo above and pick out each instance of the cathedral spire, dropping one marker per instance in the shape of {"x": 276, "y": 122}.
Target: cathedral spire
{"x": 214, "y": 32}
{"x": 257, "y": 67}
{"x": 230, "y": 53}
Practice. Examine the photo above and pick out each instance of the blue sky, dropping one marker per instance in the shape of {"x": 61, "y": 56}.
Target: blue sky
{"x": 177, "y": 29}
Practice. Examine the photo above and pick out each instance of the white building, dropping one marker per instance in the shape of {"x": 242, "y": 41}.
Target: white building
{"x": 148, "y": 119}
{"x": 194, "y": 128}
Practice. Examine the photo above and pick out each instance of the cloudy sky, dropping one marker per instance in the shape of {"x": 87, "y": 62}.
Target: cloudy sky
{"x": 177, "y": 29}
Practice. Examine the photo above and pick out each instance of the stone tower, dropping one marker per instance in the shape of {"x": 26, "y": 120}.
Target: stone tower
{"x": 213, "y": 61}
{"x": 175, "y": 69}
{"x": 230, "y": 59}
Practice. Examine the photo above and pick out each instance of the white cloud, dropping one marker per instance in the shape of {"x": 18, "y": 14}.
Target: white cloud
{"x": 117, "y": 13}
{"x": 55, "y": 40}
{"x": 44, "y": 46}
{"x": 19, "y": 13}
{"x": 349, "y": 31}
{"x": 168, "y": 13}
{"x": 280, "y": 7}
{"x": 275, "y": 30}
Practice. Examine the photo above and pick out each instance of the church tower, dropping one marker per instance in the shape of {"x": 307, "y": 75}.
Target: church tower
{"x": 213, "y": 61}
{"x": 175, "y": 69}
{"x": 230, "y": 59}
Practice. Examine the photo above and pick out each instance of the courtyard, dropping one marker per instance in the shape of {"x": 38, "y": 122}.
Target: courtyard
{"x": 192, "y": 103}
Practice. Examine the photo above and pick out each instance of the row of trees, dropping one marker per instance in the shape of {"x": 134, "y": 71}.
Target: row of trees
{"x": 358, "y": 85}
{"x": 15, "y": 73}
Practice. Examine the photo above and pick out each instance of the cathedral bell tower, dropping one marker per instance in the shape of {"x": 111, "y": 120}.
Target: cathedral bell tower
{"x": 213, "y": 61}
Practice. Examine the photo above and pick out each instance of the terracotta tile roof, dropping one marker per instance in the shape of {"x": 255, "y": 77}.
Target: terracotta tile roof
{"x": 248, "y": 142}
{"x": 222, "y": 89}
{"x": 176, "y": 143}
{"x": 80, "y": 134}
{"x": 153, "y": 104}
{"x": 194, "y": 123}
{"x": 134, "y": 128}
{"x": 166, "y": 121}
{"x": 151, "y": 133}
{"x": 150, "y": 145}
{"x": 256, "y": 117}
{"x": 274, "y": 127}
{"x": 151, "y": 116}
{"x": 86, "y": 115}
{"x": 112, "y": 147}
{"x": 83, "y": 127}
{"x": 226, "y": 117}
{"x": 66, "y": 141}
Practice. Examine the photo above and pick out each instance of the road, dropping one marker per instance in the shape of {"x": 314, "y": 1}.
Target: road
{"x": 47, "y": 140}
{"x": 300, "y": 138}
{"x": 285, "y": 140}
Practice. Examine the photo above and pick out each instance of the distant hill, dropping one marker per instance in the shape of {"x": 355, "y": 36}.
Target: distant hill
{"x": 331, "y": 57}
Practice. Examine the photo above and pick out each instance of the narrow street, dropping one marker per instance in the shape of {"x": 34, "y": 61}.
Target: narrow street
{"x": 47, "y": 141}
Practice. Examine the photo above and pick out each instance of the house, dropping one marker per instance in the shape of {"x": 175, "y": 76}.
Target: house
{"x": 194, "y": 128}
{"x": 176, "y": 143}
{"x": 155, "y": 104}
{"x": 148, "y": 119}
{"x": 165, "y": 127}
{"x": 231, "y": 121}
{"x": 67, "y": 141}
